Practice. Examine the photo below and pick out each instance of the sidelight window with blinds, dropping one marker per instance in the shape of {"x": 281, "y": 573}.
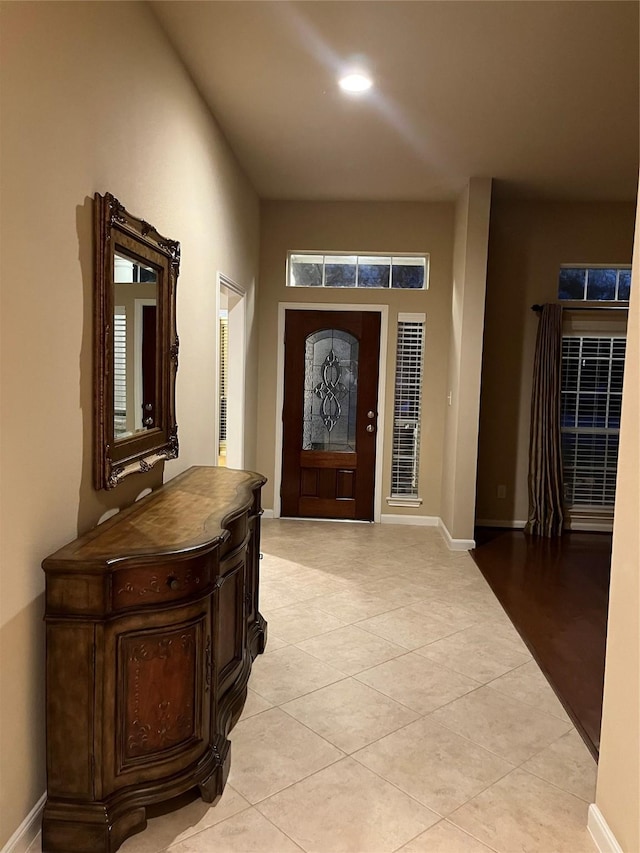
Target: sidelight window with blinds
{"x": 224, "y": 371}
{"x": 406, "y": 411}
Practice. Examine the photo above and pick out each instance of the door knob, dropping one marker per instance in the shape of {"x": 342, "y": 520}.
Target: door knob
{"x": 370, "y": 428}
{"x": 371, "y": 414}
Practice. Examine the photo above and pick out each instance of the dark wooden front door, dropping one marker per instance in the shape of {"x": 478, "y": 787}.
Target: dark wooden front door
{"x": 149, "y": 361}
{"x": 330, "y": 414}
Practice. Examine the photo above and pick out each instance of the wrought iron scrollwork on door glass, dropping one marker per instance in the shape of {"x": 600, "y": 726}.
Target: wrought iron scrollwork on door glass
{"x": 330, "y": 392}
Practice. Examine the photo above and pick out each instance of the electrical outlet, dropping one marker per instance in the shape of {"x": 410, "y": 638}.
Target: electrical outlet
{"x": 502, "y": 492}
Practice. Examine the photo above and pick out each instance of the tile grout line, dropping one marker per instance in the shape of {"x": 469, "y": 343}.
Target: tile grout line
{"x": 485, "y": 621}
{"x": 346, "y": 755}
{"x": 351, "y": 754}
{"x": 524, "y": 702}
{"x": 470, "y": 834}
{"x": 516, "y": 765}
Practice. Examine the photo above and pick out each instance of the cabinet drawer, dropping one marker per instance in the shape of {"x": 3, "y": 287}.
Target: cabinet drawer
{"x": 142, "y": 586}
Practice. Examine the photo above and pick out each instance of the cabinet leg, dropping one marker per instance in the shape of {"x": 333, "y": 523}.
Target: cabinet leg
{"x": 92, "y": 828}
{"x": 212, "y": 787}
{"x": 257, "y": 636}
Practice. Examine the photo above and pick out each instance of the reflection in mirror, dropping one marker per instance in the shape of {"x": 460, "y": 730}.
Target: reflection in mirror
{"x": 134, "y": 346}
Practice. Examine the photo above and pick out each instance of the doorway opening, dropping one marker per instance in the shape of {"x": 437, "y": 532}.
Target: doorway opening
{"x": 229, "y": 424}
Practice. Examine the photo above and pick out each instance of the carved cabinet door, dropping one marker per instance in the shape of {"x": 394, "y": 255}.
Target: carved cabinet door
{"x": 229, "y": 620}
{"x": 157, "y": 711}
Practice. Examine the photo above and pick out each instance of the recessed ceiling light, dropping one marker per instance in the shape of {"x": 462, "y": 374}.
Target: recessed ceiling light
{"x": 355, "y": 82}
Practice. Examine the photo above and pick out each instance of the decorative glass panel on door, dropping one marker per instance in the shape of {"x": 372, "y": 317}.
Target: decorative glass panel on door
{"x": 330, "y": 391}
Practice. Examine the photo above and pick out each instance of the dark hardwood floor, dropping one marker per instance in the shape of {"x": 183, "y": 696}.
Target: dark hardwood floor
{"x": 556, "y": 593}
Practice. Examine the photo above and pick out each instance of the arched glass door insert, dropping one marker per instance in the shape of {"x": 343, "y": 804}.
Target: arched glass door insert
{"x": 331, "y": 391}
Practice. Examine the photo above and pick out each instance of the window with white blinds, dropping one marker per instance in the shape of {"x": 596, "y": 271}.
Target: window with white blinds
{"x": 591, "y": 401}
{"x": 406, "y": 411}
{"x": 119, "y": 370}
{"x": 224, "y": 370}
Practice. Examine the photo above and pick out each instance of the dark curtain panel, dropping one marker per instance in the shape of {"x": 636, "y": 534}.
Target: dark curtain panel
{"x": 545, "y": 456}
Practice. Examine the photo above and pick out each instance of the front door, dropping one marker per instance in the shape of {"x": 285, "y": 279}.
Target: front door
{"x": 149, "y": 360}
{"x": 330, "y": 414}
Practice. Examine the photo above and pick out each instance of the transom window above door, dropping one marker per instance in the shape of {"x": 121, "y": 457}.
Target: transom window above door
{"x": 579, "y": 283}
{"x": 373, "y": 271}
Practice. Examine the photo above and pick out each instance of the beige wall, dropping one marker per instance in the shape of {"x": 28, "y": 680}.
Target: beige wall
{"x": 361, "y": 228}
{"x": 527, "y": 243}
{"x": 93, "y": 99}
{"x": 618, "y": 791}
{"x": 465, "y": 359}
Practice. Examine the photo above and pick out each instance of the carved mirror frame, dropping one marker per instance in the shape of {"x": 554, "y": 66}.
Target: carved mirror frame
{"x": 116, "y": 458}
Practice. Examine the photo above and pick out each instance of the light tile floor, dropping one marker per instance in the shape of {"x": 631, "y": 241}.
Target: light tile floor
{"x": 395, "y": 709}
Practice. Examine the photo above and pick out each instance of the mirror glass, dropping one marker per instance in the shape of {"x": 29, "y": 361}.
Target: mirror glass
{"x": 135, "y": 347}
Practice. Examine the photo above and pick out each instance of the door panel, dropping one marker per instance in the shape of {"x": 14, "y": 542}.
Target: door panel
{"x": 149, "y": 359}
{"x": 330, "y": 414}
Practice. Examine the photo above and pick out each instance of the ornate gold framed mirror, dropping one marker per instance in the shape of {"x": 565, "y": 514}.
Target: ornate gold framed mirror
{"x": 135, "y": 344}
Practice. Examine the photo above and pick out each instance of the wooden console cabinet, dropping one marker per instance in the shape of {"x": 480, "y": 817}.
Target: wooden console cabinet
{"x": 152, "y": 624}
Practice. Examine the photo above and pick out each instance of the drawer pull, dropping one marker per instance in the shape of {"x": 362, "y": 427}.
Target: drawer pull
{"x": 173, "y": 582}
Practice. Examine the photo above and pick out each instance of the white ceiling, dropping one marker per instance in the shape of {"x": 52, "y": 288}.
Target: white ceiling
{"x": 541, "y": 95}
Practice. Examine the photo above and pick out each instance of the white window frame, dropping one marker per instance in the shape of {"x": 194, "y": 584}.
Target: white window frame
{"x": 596, "y": 303}
{"x": 602, "y": 322}
{"x": 321, "y": 258}
{"x": 414, "y": 389}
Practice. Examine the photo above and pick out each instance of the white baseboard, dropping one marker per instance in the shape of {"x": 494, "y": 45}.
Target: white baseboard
{"x": 25, "y": 834}
{"x": 420, "y": 520}
{"x": 604, "y": 839}
{"x": 455, "y": 544}
{"x": 497, "y": 522}
{"x": 267, "y": 513}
